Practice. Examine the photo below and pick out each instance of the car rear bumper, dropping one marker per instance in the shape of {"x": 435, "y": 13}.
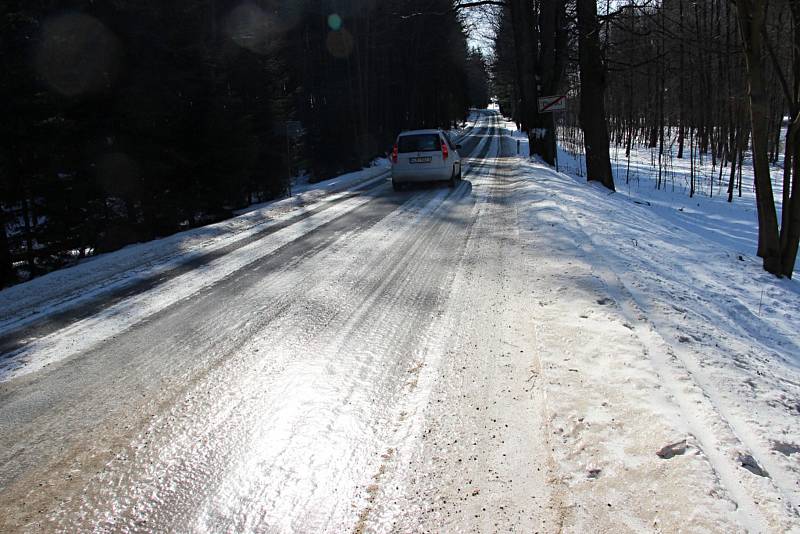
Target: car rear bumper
{"x": 421, "y": 175}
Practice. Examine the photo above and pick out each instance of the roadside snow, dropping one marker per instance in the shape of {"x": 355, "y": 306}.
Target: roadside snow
{"x": 84, "y": 334}
{"x": 94, "y": 277}
{"x": 587, "y": 361}
{"x": 720, "y": 336}
{"x": 608, "y": 370}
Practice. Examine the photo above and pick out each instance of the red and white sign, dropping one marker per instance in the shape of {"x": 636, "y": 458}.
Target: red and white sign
{"x": 548, "y": 104}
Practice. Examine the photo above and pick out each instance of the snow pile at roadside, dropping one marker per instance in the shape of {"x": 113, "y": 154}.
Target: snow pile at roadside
{"x": 468, "y": 125}
{"x": 99, "y": 275}
{"x": 677, "y": 337}
{"x": 302, "y": 185}
{"x": 93, "y": 277}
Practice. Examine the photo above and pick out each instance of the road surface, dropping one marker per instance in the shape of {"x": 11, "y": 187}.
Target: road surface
{"x": 477, "y": 359}
{"x": 274, "y": 398}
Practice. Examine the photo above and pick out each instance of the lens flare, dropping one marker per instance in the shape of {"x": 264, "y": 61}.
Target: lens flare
{"x": 78, "y": 54}
{"x": 340, "y": 44}
{"x": 251, "y": 27}
{"x": 335, "y": 22}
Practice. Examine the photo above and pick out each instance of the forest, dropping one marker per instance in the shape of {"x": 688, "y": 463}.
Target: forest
{"x": 125, "y": 121}
{"x": 715, "y": 80}
{"x": 130, "y": 120}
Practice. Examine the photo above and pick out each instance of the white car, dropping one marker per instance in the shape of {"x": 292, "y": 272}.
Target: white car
{"x": 425, "y": 156}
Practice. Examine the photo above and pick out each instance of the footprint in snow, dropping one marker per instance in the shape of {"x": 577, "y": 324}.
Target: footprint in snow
{"x": 787, "y": 449}
{"x": 675, "y": 449}
{"x": 749, "y": 463}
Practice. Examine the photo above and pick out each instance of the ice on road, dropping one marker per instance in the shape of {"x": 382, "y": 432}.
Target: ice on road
{"x": 432, "y": 360}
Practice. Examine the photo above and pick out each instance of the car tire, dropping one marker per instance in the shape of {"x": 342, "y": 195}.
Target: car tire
{"x": 453, "y": 179}
{"x": 396, "y": 186}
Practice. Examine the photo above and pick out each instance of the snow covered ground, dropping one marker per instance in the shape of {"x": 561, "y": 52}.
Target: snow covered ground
{"x": 718, "y": 338}
{"x": 646, "y": 384}
{"x": 527, "y": 352}
{"x": 104, "y": 273}
{"x": 100, "y": 275}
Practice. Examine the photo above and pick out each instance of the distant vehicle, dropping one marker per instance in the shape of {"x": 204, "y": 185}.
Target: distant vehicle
{"x": 425, "y": 156}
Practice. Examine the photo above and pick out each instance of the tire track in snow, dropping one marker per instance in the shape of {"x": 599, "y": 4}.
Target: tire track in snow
{"x": 416, "y": 243}
{"x": 132, "y": 304}
{"x": 420, "y": 486}
{"x": 84, "y": 300}
{"x": 717, "y": 427}
{"x": 295, "y": 273}
{"x": 18, "y": 331}
{"x": 184, "y": 327}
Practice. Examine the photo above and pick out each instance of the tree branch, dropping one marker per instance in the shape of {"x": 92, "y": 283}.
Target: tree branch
{"x": 455, "y": 8}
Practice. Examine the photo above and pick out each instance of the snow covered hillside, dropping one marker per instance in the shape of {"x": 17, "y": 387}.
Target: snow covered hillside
{"x": 715, "y": 339}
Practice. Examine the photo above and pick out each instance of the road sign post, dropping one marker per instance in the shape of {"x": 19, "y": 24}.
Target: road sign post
{"x": 294, "y": 129}
{"x": 549, "y": 104}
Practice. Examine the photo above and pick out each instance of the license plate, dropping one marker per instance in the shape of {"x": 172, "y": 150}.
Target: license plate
{"x": 420, "y": 160}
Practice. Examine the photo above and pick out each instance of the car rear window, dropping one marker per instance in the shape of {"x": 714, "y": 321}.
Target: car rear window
{"x": 419, "y": 143}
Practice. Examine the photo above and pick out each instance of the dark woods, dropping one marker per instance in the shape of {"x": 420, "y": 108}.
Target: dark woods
{"x": 128, "y": 120}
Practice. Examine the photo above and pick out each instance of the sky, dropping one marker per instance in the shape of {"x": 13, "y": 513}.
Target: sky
{"x": 480, "y": 30}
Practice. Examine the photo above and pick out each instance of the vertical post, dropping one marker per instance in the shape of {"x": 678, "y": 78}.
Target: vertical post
{"x": 555, "y": 140}
{"x": 288, "y": 160}
{"x": 557, "y": 156}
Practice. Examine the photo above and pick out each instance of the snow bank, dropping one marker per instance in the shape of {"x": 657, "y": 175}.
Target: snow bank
{"x": 719, "y": 358}
{"x": 99, "y": 275}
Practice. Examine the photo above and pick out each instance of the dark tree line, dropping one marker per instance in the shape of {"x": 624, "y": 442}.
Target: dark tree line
{"x": 128, "y": 120}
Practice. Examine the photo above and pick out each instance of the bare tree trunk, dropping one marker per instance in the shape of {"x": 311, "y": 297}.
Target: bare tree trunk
{"x": 682, "y": 95}
{"x": 776, "y": 147}
{"x": 736, "y": 135}
{"x": 790, "y": 223}
{"x": 553, "y": 37}
{"x": 790, "y": 227}
{"x": 526, "y": 53}
{"x": 691, "y": 159}
{"x": 751, "y": 22}
{"x": 592, "y": 108}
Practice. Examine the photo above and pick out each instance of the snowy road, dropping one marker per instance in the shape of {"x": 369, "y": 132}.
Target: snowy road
{"x": 258, "y": 388}
{"x": 371, "y": 361}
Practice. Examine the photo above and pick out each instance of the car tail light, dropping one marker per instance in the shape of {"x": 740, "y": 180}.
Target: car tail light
{"x": 394, "y": 154}
{"x": 445, "y": 153}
